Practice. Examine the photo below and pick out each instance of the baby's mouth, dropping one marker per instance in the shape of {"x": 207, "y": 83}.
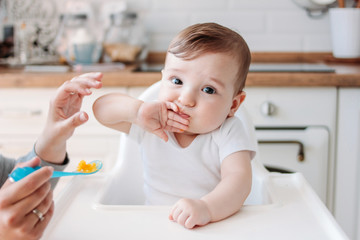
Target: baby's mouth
{"x": 181, "y": 111}
{"x": 183, "y": 115}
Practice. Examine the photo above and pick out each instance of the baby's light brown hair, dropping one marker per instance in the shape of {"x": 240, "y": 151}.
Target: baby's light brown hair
{"x": 199, "y": 39}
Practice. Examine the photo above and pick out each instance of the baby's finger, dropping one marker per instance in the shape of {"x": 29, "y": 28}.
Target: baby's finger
{"x": 182, "y": 218}
{"x": 176, "y": 117}
{"x": 172, "y": 106}
{"x": 175, "y": 127}
{"x": 190, "y": 222}
{"x": 176, "y": 213}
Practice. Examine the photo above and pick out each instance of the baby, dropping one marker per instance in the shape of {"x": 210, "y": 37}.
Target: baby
{"x": 196, "y": 153}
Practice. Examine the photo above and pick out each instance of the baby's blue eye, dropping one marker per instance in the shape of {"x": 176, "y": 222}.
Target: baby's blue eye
{"x": 209, "y": 90}
{"x": 176, "y": 81}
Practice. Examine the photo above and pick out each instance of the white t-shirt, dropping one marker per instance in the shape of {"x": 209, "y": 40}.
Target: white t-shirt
{"x": 172, "y": 172}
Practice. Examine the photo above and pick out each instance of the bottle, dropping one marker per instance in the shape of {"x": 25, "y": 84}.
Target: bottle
{"x": 125, "y": 39}
{"x": 22, "y": 43}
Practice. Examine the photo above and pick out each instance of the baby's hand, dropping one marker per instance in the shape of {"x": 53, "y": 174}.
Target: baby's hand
{"x": 156, "y": 117}
{"x": 190, "y": 212}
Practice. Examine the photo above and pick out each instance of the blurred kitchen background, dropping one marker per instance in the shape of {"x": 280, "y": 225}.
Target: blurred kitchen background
{"x": 40, "y": 26}
{"x": 302, "y": 98}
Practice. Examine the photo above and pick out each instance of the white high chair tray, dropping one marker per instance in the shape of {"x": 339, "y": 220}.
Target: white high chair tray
{"x": 295, "y": 212}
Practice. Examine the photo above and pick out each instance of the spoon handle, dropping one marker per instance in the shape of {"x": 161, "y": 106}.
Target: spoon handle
{"x": 57, "y": 174}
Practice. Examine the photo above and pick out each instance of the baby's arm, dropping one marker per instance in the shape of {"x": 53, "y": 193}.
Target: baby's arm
{"x": 119, "y": 111}
{"x": 226, "y": 199}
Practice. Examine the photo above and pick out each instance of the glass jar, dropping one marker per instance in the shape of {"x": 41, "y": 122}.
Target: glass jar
{"x": 125, "y": 39}
{"x": 77, "y": 43}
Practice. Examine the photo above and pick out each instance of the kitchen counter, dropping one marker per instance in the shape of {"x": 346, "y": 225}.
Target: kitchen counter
{"x": 347, "y": 73}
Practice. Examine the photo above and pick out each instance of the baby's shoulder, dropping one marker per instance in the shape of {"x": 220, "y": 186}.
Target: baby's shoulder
{"x": 229, "y": 127}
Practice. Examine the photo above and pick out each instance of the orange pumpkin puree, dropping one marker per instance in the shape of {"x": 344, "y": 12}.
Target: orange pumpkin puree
{"x": 86, "y": 168}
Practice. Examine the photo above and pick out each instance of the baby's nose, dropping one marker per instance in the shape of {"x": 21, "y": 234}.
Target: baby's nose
{"x": 187, "y": 99}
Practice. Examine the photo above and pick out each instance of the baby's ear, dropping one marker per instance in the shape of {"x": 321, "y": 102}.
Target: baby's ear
{"x": 236, "y": 102}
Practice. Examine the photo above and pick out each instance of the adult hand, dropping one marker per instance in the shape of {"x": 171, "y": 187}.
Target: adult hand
{"x": 19, "y": 199}
{"x": 190, "y": 213}
{"x": 64, "y": 116}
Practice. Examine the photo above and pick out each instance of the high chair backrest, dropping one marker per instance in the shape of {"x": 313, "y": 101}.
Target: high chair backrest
{"x": 127, "y": 176}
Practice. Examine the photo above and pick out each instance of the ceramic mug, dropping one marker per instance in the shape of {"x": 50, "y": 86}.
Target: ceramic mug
{"x": 84, "y": 53}
{"x": 345, "y": 32}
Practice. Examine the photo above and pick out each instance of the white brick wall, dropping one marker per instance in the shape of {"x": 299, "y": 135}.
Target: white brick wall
{"x": 267, "y": 25}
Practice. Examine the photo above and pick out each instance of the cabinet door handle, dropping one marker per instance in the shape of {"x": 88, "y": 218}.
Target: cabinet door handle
{"x": 268, "y": 109}
{"x": 300, "y": 155}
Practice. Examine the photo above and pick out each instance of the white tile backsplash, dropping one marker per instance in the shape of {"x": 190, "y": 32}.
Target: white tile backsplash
{"x": 165, "y": 22}
{"x": 189, "y": 5}
{"x": 243, "y": 22}
{"x": 294, "y": 22}
{"x": 274, "y": 42}
{"x": 267, "y": 25}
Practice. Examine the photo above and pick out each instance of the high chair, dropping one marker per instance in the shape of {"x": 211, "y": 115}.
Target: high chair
{"x": 132, "y": 169}
{"x": 280, "y": 206}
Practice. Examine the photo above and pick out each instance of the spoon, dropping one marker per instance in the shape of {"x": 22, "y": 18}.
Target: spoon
{"x": 20, "y": 173}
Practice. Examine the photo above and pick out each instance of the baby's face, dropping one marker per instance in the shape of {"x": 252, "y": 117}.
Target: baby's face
{"x": 203, "y": 88}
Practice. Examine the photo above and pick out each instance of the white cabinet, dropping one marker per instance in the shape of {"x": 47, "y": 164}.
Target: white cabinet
{"x": 22, "y": 116}
{"x": 295, "y": 127}
{"x": 347, "y": 201}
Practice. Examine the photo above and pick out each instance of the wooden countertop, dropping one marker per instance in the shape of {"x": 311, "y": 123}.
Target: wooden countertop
{"x": 347, "y": 74}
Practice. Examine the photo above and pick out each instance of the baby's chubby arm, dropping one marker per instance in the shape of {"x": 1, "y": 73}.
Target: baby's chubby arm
{"x": 119, "y": 111}
{"x": 226, "y": 199}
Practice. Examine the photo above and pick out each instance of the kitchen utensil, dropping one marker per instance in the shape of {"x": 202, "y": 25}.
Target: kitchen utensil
{"x": 20, "y": 173}
{"x": 312, "y": 5}
{"x": 315, "y": 8}
{"x": 341, "y": 3}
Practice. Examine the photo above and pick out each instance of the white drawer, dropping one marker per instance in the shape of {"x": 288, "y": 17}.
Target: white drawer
{"x": 291, "y": 106}
{"x": 24, "y": 111}
{"x": 15, "y": 146}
